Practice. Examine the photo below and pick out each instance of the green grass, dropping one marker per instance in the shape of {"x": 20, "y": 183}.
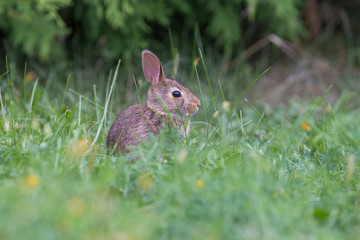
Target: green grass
{"x": 246, "y": 172}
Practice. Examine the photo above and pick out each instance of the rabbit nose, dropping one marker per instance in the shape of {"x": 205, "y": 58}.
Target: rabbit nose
{"x": 198, "y": 103}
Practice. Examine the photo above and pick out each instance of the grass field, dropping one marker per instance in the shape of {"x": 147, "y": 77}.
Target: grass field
{"x": 246, "y": 172}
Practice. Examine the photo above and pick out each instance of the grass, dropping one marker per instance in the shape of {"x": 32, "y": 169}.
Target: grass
{"x": 245, "y": 173}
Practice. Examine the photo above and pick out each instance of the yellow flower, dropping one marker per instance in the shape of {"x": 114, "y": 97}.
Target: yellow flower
{"x": 196, "y": 61}
{"x": 140, "y": 82}
{"x": 75, "y": 206}
{"x": 28, "y": 184}
{"x": 328, "y": 108}
{"x": 304, "y": 126}
{"x": 77, "y": 147}
{"x": 145, "y": 181}
{"x": 30, "y": 76}
{"x": 82, "y": 145}
{"x": 32, "y": 180}
{"x": 121, "y": 236}
{"x": 200, "y": 183}
{"x": 350, "y": 167}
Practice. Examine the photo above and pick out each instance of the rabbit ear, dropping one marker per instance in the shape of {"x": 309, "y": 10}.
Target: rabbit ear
{"x": 152, "y": 68}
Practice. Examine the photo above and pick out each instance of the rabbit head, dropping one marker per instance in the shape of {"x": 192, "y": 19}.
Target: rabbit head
{"x": 166, "y": 95}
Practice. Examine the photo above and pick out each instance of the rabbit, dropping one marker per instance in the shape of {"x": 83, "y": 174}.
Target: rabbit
{"x": 167, "y": 102}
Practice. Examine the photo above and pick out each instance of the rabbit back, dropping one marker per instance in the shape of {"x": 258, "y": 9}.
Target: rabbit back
{"x": 132, "y": 126}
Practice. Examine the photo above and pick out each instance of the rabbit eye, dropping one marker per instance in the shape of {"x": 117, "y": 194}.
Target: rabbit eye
{"x": 176, "y": 94}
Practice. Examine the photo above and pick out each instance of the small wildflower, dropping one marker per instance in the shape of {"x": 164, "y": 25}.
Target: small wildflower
{"x": 92, "y": 158}
{"x": 82, "y": 145}
{"x": 182, "y": 155}
{"x": 196, "y": 61}
{"x": 216, "y": 113}
{"x": 350, "y": 167}
{"x": 140, "y": 82}
{"x": 7, "y": 125}
{"x": 226, "y": 105}
{"x": 304, "y": 126}
{"x": 121, "y": 236}
{"x": 25, "y": 142}
{"x": 32, "y": 180}
{"x": 30, "y": 76}
{"x": 75, "y": 206}
{"x": 35, "y": 124}
{"x": 28, "y": 184}
{"x": 47, "y": 129}
{"x": 145, "y": 181}
{"x": 78, "y": 147}
{"x": 328, "y": 108}
{"x": 200, "y": 183}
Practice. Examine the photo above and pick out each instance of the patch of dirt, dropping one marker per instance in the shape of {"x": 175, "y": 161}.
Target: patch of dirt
{"x": 306, "y": 78}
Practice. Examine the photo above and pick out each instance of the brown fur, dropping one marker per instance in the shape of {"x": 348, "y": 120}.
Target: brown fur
{"x": 135, "y": 123}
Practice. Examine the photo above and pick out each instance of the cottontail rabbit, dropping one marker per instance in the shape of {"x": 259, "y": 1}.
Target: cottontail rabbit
{"x": 167, "y": 102}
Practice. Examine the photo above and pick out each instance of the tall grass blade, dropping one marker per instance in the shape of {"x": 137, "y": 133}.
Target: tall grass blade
{"x": 208, "y": 79}
{"x": 25, "y": 82}
{"x": 96, "y": 104}
{"x": 9, "y": 83}
{"x": 79, "y": 118}
{"x": 2, "y": 108}
{"x": 106, "y": 106}
{"x": 202, "y": 99}
{"x": 252, "y": 83}
{"x": 32, "y": 98}
{"x": 66, "y": 88}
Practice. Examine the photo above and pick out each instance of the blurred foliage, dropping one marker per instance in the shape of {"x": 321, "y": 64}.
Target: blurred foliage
{"x": 109, "y": 29}
{"x": 34, "y": 27}
{"x": 105, "y": 30}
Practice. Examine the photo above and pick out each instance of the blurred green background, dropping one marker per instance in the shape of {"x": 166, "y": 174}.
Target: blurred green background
{"x": 102, "y": 31}
{"x": 315, "y": 42}
{"x": 50, "y": 30}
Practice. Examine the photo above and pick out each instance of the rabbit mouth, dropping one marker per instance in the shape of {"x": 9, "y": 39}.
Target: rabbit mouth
{"x": 177, "y": 115}
{"x": 193, "y": 110}
{"x": 190, "y": 112}
{"x": 193, "y": 113}
{"x": 181, "y": 116}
